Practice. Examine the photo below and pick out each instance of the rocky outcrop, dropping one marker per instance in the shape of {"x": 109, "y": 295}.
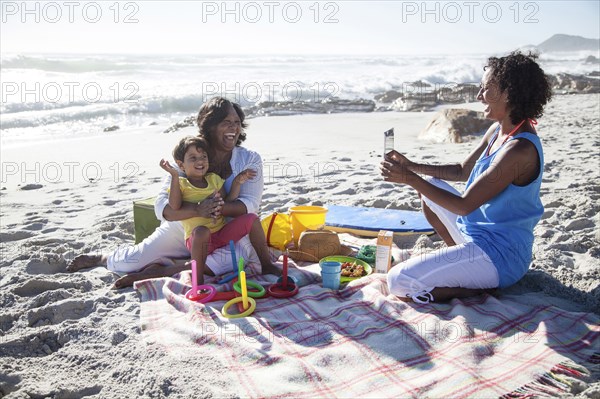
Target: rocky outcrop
{"x": 564, "y": 83}
{"x": 419, "y": 102}
{"x": 327, "y": 106}
{"x": 424, "y": 99}
{"x": 454, "y": 125}
{"x": 274, "y": 108}
{"x": 420, "y": 97}
{"x": 460, "y": 93}
{"x": 189, "y": 121}
{"x": 388, "y": 97}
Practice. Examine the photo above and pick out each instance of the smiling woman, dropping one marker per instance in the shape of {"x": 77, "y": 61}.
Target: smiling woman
{"x": 221, "y": 124}
{"x": 489, "y": 227}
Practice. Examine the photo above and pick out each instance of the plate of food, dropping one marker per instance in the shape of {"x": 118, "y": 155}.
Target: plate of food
{"x": 352, "y": 268}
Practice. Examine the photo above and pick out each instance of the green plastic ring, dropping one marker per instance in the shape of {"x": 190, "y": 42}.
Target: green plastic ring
{"x": 251, "y": 284}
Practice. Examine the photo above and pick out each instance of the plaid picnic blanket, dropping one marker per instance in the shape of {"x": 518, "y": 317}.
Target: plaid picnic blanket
{"x": 361, "y": 341}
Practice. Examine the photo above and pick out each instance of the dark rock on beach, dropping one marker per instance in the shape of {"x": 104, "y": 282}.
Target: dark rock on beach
{"x": 424, "y": 99}
{"x": 421, "y": 97}
{"x": 461, "y": 93}
{"x": 564, "y": 83}
{"x": 327, "y": 106}
{"x": 31, "y": 187}
{"x": 420, "y": 84}
{"x": 388, "y": 97}
{"x": 189, "y": 121}
{"x": 453, "y": 125}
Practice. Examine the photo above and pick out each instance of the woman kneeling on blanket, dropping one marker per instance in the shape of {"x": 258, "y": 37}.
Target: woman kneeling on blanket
{"x": 489, "y": 227}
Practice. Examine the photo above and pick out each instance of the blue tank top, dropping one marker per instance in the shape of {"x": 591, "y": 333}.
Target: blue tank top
{"x": 503, "y": 226}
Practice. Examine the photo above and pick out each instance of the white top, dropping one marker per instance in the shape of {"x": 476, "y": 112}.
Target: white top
{"x": 250, "y": 193}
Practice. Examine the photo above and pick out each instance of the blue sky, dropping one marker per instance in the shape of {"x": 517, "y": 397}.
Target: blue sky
{"x": 284, "y": 27}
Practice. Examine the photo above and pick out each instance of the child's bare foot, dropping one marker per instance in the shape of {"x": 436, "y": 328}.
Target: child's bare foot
{"x": 85, "y": 261}
{"x": 271, "y": 269}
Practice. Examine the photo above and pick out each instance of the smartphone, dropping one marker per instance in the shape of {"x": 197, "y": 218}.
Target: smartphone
{"x": 388, "y": 141}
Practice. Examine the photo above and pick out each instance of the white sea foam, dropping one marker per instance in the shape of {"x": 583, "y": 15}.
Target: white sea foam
{"x": 50, "y": 94}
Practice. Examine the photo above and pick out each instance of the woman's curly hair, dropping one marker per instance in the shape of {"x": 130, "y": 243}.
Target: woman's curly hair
{"x": 213, "y": 112}
{"x": 522, "y": 78}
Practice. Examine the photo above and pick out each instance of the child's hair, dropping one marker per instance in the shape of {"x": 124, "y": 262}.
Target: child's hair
{"x": 187, "y": 142}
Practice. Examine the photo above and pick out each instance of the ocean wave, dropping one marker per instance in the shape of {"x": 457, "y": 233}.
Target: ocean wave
{"x": 174, "y": 84}
{"x": 72, "y": 64}
{"x": 58, "y": 116}
{"x": 116, "y": 63}
{"x": 20, "y": 115}
{"x": 568, "y": 56}
{"x": 454, "y": 74}
{"x": 17, "y": 107}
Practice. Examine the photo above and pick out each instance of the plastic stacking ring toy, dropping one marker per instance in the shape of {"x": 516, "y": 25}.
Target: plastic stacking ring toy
{"x": 278, "y": 290}
{"x": 286, "y": 286}
{"x": 245, "y": 313}
{"x": 290, "y": 280}
{"x": 197, "y": 294}
{"x": 227, "y": 279}
{"x": 254, "y": 294}
{"x": 234, "y": 265}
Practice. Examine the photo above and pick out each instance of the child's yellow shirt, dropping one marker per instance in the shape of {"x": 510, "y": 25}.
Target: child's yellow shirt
{"x": 194, "y": 194}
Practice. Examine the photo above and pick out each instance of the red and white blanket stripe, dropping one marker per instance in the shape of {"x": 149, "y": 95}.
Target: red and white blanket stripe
{"x": 363, "y": 342}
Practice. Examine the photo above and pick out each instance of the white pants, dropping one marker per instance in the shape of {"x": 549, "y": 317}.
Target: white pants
{"x": 168, "y": 242}
{"x": 463, "y": 265}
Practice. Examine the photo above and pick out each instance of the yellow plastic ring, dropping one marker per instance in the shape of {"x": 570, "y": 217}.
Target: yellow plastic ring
{"x": 251, "y": 284}
{"x": 235, "y": 300}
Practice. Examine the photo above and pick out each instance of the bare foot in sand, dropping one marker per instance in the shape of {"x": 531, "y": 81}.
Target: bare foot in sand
{"x": 271, "y": 269}
{"x": 85, "y": 261}
{"x": 153, "y": 270}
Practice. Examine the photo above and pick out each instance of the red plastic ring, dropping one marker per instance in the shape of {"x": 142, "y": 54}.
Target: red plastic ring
{"x": 278, "y": 291}
{"x": 201, "y": 297}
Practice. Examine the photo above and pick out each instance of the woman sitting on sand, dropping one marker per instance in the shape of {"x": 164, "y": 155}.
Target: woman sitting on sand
{"x": 221, "y": 124}
{"x": 204, "y": 235}
{"x": 489, "y": 227}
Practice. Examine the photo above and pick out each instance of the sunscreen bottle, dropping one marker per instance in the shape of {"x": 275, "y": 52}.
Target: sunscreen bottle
{"x": 383, "y": 256}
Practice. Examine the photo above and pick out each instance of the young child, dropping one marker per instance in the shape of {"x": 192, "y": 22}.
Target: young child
{"x": 204, "y": 235}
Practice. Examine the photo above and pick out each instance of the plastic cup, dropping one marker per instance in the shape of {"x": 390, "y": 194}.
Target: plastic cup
{"x": 331, "y": 280}
{"x": 331, "y": 267}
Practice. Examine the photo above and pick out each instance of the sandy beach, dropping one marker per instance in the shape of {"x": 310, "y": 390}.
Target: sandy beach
{"x": 70, "y": 335}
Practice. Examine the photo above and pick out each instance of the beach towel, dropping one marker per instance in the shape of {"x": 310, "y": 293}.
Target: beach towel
{"x": 361, "y": 341}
